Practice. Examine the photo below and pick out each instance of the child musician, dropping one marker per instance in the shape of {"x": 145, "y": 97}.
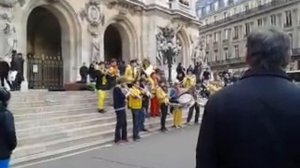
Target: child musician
{"x": 135, "y": 104}
{"x": 119, "y": 101}
{"x": 162, "y": 95}
{"x": 177, "y": 110}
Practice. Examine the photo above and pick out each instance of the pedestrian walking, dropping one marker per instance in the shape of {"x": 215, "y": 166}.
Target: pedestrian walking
{"x": 119, "y": 98}
{"x": 8, "y": 140}
{"x": 255, "y": 122}
{"x": 135, "y": 104}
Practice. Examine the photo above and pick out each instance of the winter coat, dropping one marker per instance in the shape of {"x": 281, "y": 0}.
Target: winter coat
{"x": 253, "y": 123}
{"x": 8, "y": 140}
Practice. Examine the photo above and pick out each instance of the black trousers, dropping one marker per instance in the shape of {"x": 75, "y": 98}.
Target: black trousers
{"x": 196, "y": 106}
{"x": 5, "y": 78}
{"x": 163, "y": 115}
{"x": 121, "y": 126}
{"x": 135, "y": 122}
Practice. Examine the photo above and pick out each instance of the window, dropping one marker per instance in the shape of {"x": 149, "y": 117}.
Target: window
{"x": 226, "y": 53}
{"x": 247, "y": 7}
{"x": 230, "y": 2}
{"x": 225, "y": 15}
{"x": 247, "y": 29}
{"x": 273, "y": 20}
{"x": 212, "y": 7}
{"x": 236, "y": 32}
{"x": 226, "y": 34}
{"x": 215, "y": 37}
{"x": 260, "y": 22}
{"x": 215, "y": 18}
{"x": 259, "y": 3}
{"x": 236, "y": 51}
{"x": 216, "y": 55}
{"x": 235, "y": 10}
{"x": 288, "y": 18}
{"x": 291, "y": 39}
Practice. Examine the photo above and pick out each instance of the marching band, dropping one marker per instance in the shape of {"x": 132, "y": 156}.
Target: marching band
{"x": 144, "y": 89}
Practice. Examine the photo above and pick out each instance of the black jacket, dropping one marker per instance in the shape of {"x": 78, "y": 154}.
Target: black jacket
{"x": 4, "y": 69}
{"x": 252, "y": 124}
{"x": 119, "y": 98}
{"x": 8, "y": 140}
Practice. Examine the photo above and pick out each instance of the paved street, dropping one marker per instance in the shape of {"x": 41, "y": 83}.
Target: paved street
{"x": 175, "y": 149}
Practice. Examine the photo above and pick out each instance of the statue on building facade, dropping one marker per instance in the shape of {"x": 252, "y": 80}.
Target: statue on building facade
{"x": 96, "y": 44}
{"x": 8, "y": 34}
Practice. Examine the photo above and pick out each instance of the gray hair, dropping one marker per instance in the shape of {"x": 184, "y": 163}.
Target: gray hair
{"x": 268, "y": 49}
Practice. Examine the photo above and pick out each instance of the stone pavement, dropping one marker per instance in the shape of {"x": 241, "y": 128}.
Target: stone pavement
{"x": 174, "y": 149}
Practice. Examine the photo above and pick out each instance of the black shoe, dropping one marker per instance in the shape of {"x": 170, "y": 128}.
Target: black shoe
{"x": 101, "y": 111}
{"x": 163, "y": 129}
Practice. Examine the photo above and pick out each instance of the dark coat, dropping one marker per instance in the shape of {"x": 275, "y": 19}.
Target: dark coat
{"x": 252, "y": 124}
{"x": 8, "y": 140}
{"x": 4, "y": 68}
{"x": 118, "y": 98}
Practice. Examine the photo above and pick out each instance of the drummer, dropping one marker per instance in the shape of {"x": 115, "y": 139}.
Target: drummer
{"x": 177, "y": 109}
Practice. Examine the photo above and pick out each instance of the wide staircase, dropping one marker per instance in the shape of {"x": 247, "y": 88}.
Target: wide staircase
{"x": 51, "y": 125}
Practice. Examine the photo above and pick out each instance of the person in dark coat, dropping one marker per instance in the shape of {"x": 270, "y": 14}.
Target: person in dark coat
{"x": 19, "y": 63}
{"x": 83, "y": 71}
{"x": 255, "y": 123}
{"x": 119, "y": 101}
{"x": 8, "y": 140}
{"x": 4, "y": 70}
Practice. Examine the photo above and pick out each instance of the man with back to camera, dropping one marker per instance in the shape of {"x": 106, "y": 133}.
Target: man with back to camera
{"x": 255, "y": 123}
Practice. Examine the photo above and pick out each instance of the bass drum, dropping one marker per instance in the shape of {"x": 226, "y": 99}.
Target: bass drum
{"x": 186, "y": 100}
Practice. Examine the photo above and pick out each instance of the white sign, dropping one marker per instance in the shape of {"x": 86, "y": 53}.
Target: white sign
{"x": 35, "y": 68}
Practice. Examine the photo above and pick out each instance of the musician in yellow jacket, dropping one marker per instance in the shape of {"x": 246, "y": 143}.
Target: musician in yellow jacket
{"x": 131, "y": 73}
{"x": 162, "y": 96}
{"x": 135, "y": 104}
{"x": 189, "y": 80}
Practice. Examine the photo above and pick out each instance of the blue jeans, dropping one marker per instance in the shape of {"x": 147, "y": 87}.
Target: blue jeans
{"x": 4, "y": 163}
{"x": 142, "y": 118}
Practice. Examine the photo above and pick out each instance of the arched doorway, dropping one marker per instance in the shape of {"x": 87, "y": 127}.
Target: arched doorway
{"x": 112, "y": 43}
{"x": 44, "y": 48}
{"x": 120, "y": 34}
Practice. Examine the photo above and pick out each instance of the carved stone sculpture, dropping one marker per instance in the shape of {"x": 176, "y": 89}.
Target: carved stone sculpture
{"x": 8, "y": 3}
{"x": 96, "y": 43}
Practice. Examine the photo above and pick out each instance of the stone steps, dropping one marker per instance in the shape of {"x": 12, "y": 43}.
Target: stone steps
{"x": 50, "y": 125}
{"x": 68, "y": 145}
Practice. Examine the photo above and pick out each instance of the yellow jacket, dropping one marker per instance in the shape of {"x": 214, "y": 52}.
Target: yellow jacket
{"x": 154, "y": 85}
{"x": 135, "y": 98}
{"x": 162, "y": 96}
{"x": 189, "y": 81}
{"x": 130, "y": 74}
{"x": 213, "y": 88}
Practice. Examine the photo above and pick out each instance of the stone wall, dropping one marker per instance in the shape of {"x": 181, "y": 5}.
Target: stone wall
{"x": 137, "y": 23}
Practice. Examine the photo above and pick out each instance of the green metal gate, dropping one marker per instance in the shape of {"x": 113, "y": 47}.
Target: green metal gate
{"x": 45, "y": 72}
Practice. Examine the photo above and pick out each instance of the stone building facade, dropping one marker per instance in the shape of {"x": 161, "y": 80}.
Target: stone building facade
{"x": 228, "y": 22}
{"x": 71, "y": 32}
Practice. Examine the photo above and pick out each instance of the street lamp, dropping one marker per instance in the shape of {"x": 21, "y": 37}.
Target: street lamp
{"x": 169, "y": 47}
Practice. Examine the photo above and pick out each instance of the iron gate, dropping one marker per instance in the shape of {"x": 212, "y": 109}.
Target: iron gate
{"x": 45, "y": 72}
